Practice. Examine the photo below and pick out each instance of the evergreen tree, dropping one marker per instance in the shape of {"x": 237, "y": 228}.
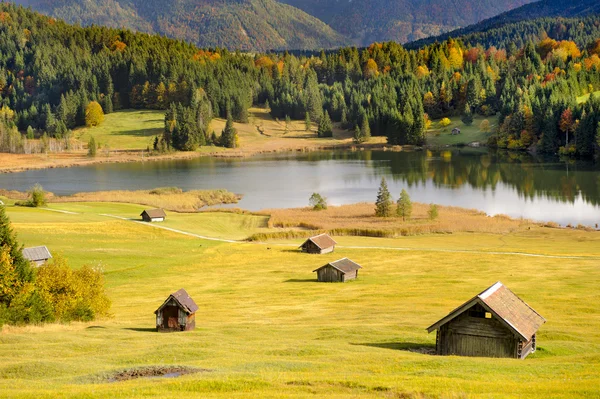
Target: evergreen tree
{"x": 229, "y": 137}
{"x": 92, "y": 147}
{"x": 365, "y": 128}
{"x": 325, "y": 126}
{"x": 404, "y": 206}
{"x": 467, "y": 115}
{"x": 358, "y": 137}
{"x": 8, "y": 241}
{"x": 307, "y": 122}
{"x": 383, "y": 204}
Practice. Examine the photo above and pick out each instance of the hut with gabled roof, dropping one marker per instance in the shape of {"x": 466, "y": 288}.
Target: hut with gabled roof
{"x": 339, "y": 271}
{"x": 177, "y": 313}
{"x": 321, "y": 244}
{"x": 38, "y": 255}
{"x": 153, "y": 215}
{"x": 495, "y": 323}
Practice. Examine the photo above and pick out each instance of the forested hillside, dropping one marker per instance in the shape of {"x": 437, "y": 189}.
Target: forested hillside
{"x": 526, "y": 23}
{"x": 51, "y": 71}
{"x": 368, "y": 21}
{"x": 242, "y": 24}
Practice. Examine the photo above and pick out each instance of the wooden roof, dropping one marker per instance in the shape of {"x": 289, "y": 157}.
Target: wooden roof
{"x": 183, "y": 299}
{"x": 34, "y": 254}
{"x": 343, "y": 265}
{"x": 154, "y": 213}
{"x": 322, "y": 241}
{"x": 508, "y": 308}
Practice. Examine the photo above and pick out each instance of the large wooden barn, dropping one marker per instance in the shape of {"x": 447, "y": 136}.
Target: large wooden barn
{"x": 321, "y": 244}
{"x": 339, "y": 271}
{"x": 177, "y": 313}
{"x": 38, "y": 255}
{"x": 153, "y": 215}
{"x": 495, "y": 323}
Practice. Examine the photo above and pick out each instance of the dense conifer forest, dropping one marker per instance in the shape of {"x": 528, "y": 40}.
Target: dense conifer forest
{"x": 51, "y": 71}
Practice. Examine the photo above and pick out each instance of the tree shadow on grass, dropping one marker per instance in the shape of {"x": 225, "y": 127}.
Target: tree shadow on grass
{"x": 141, "y": 329}
{"x": 301, "y": 280}
{"x": 139, "y": 132}
{"x": 415, "y": 347}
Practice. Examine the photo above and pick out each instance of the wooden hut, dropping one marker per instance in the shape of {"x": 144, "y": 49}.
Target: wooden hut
{"x": 455, "y": 131}
{"x": 495, "y": 323}
{"x": 339, "y": 271}
{"x": 321, "y": 244}
{"x": 177, "y": 313}
{"x": 37, "y": 255}
{"x": 153, "y": 215}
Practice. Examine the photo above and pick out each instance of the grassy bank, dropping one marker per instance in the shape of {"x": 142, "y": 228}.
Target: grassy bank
{"x": 266, "y": 329}
{"x": 442, "y": 136}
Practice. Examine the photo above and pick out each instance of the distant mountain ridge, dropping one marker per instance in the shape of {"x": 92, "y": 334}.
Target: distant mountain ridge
{"x": 236, "y": 24}
{"x": 367, "y": 21}
{"x": 524, "y": 15}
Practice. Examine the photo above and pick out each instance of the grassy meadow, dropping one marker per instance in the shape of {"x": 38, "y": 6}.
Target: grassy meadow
{"x": 441, "y": 136}
{"x": 125, "y": 130}
{"x": 266, "y": 328}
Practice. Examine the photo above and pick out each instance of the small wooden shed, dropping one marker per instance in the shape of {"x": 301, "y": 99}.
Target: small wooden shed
{"x": 177, "y": 313}
{"x": 321, "y": 244}
{"x": 495, "y": 323}
{"x": 339, "y": 271}
{"x": 38, "y": 255}
{"x": 153, "y": 215}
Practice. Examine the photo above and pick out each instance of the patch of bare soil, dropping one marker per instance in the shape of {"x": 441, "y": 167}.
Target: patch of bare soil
{"x": 154, "y": 372}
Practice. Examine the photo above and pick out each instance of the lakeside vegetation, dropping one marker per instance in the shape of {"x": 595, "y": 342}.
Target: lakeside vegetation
{"x": 324, "y": 347}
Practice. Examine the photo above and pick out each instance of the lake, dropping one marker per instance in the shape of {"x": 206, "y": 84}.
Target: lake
{"x": 514, "y": 184}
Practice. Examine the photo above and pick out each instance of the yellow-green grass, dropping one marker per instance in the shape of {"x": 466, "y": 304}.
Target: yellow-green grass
{"x": 586, "y": 97}
{"x": 266, "y": 329}
{"x": 441, "y": 136}
{"x": 125, "y": 130}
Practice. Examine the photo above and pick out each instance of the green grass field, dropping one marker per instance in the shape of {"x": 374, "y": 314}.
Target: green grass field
{"x": 441, "y": 136}
{"x": 126, "y": 130}
{"x": 267, "y": 329}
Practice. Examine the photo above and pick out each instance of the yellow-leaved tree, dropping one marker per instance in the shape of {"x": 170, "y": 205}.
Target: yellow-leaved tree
{"x": 94, "y": 115}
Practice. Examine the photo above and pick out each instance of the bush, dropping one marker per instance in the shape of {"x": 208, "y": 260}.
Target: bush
{"x": 317, "y": 202}
{"x": 445, "y": 122}
{"x": 37, "y": 197}
{"x": 433, "y": 212}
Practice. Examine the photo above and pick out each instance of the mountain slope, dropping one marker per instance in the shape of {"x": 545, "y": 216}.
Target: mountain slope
{"x": 525, "y": 22}
{"x": 366, "y": 21}
{"x": 238, "y": 24}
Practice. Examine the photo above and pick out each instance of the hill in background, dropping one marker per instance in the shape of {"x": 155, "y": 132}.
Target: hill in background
{"x": 528, "y": 22}
{"x": 368, "y": 21}
{"x": 241, "y": 24}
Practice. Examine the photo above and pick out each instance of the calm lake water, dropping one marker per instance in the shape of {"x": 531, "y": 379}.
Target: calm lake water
{"x": 495, "y": 182}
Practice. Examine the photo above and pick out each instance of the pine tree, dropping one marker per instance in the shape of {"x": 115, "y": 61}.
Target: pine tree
{"x": 404, "y": 206}
{"x": 325, "y": 126}
{"x": 358, "y": 137}
{"x": 307, "y": 122}
{"x": 229, "y": 137}
{"x": 365, "y": 128}
{"x": 92, "y": 147}
{"x": 8, "y": 240}
{"x": 467, "y": 115}
{"x": 383, "y": 205}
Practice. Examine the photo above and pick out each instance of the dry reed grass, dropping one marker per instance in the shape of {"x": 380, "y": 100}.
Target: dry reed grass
{"x": 359, "y": 220}
{"x": 169, "y": 198}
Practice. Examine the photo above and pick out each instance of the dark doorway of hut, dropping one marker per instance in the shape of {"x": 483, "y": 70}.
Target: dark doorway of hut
{"x": 170, "y": 317}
